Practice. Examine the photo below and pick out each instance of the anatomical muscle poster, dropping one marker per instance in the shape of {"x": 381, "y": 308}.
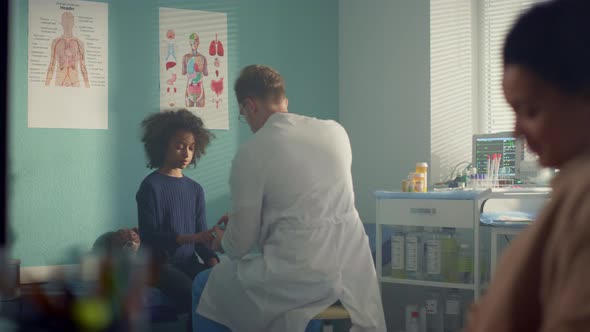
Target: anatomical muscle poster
{"x": 68, "y": 64}
{"x": 193, "y": 64}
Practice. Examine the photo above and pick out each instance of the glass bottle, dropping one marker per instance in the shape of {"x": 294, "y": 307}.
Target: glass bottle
{"x": 414, "y": 254}
{"x": 398, "y": 248}
{"x": 450, "y": 249}
{"x": 465, "y": 264}
{"x": 432, "y": 254}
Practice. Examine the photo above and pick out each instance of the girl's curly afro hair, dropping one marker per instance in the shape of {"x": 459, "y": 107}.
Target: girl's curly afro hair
{"x": 158, "y": 129}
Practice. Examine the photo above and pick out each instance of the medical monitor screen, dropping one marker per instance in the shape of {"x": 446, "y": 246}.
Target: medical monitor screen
{"x": 489, "y": 145}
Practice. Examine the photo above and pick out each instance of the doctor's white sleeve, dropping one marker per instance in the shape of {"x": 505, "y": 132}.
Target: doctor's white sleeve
{"x": 247, "y": 191}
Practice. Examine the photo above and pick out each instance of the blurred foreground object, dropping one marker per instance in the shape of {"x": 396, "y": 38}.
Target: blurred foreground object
{"x": 104, "y": 294}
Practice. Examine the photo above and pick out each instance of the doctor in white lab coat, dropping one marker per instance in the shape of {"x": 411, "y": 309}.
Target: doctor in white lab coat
{"x": 293, "y": 203}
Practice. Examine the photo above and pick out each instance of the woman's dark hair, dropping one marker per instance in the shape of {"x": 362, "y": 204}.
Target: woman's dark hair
{"x": 552, "y": 39}
{"x": 159, "y": 128}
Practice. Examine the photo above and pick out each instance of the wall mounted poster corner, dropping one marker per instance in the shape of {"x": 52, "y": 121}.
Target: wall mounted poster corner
{"x": 68, "y": 64}
{"x": 193, "y": 64}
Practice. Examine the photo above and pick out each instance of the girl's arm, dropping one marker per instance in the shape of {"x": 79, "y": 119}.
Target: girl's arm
{"x": 148, "y": 220}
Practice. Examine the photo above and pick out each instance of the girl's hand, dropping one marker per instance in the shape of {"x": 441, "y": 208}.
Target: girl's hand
{"x": 205, "y": 238}
{"x": 216, "y": 243}
{"x": 212, "y": 262}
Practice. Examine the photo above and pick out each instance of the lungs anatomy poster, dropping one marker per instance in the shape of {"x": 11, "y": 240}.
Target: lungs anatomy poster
{"x": 193, "y": 64}
{"x": 68, "y": 64}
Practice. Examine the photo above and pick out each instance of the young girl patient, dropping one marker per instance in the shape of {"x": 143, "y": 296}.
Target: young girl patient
{"x": 171, "y": 207}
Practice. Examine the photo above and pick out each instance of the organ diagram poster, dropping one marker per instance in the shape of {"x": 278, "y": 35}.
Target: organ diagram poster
{"x": 68, "y": 64}
{"x": 193, "y": 64}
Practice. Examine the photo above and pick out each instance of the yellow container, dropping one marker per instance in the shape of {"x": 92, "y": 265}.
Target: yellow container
{"x": 422, "y": 168}
{"x": 419, "y": 182}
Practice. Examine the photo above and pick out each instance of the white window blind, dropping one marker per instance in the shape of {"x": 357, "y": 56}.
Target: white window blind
{"x": 496, "y": 18}
{"x": 451, "y": 85}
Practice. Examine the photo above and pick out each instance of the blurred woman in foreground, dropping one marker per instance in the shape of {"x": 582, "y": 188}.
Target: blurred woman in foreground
{"x": 543, "y": 280}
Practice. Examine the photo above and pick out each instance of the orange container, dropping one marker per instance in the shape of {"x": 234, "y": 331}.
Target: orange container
{"x": 422, "y": 168}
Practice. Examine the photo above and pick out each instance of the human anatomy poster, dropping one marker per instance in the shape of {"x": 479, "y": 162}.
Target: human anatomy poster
{"x": 193, "y": 64}
{"x": 68, "y": 64}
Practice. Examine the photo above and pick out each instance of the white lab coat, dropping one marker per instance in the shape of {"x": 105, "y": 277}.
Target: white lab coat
{"x": 292, "y": 198}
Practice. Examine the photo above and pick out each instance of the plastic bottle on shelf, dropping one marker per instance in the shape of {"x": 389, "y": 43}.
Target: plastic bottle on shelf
{"x": 414, "y": 254}
{"x": 405, "y": 184}
{"x": 462, "y": 180}
{"x": 422, "y": 168}
{"x": 469, "y": 179}
{"x": 419, "y": 182}
{"x": 432, "y": 254}
{"x": 410, "y": 183}
{"x": 450, "y": 250}
{"x": 465, "y": 264}
{"x": 414, "y": 324}
{"x": 434, "y": 313}
{"x": 452, "y": 317}
{"x": 398, "y": 248}
{"x": 410, "y": 308}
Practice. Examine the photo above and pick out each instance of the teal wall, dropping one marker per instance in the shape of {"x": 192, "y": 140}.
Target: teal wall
{"x": 69, "y": 186}
{"x": 384, "y": 92}
{"x": 385, "y": 106}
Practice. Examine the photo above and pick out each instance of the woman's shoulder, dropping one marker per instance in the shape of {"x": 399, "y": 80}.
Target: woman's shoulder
{"x": 573, "y": 180}
{"x": 570, "y": 198}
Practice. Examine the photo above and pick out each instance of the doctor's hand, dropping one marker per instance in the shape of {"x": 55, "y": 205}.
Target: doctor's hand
{"x": 223, "y": 221}
{"x": 216, "y": 244}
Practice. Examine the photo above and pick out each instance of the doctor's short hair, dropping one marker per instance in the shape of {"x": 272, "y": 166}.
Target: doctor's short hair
{"x": 259, "y": 81}
{"x": 158, "y": 129}
{"x": 552, "y": 40}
